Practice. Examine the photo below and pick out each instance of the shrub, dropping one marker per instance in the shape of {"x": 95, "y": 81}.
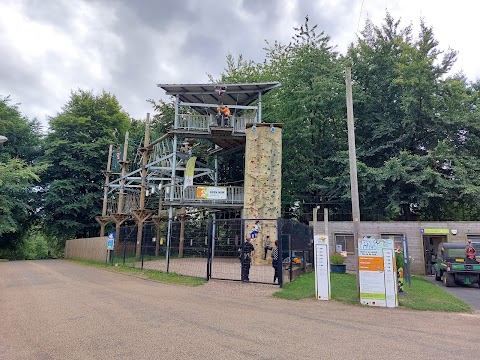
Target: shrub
{"x": 336, "y": 259}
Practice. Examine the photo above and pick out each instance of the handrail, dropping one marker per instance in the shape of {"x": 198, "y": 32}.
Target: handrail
{"x": 189, "y": 195}
{"x": 203, "y": 122}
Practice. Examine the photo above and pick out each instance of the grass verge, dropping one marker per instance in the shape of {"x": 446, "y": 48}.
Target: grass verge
{"x": 170, "y": 278}
{"x": 422, "y": 295}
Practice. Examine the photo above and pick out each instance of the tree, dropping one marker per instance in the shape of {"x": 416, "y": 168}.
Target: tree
{"x": 18, "y": 179}
{"x": 16, "y": 213}
{"x": 24, "y": 135}
{"x": 76, "y": 152}
{"x": 311, "y": 105}
{"x": 413, "y": 124}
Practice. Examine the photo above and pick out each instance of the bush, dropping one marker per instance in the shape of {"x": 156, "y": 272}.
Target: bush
{"x": 336, "y": 259}
{"x": 399, "y": 259}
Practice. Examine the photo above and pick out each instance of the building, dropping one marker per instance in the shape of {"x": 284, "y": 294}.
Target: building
{"x": 422, "y": 237}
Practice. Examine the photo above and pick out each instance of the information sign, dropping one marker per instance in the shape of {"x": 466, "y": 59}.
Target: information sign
{"x": 377, "y": 272}
{"x": 212, "y": 193}
{"x": 111, "y": 241}
{"x": 322, "y": 267}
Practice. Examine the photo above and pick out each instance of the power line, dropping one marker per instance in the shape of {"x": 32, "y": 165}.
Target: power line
{"x": 360, "y": 16}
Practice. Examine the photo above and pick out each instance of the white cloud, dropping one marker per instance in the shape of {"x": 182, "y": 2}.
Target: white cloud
{"x": 49, "y": 48}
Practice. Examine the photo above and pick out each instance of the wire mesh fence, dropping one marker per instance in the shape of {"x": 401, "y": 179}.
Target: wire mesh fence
{"x": 215, "y": 248}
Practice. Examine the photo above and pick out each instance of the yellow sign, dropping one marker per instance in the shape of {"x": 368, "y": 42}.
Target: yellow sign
{"x": 428, "y": 231}
{"x": 212, "y": 192}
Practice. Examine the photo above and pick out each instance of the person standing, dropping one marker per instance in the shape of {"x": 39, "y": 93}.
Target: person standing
{"x": 223, "y": 115}
{"x": 274, "y": 256}
{"x": 246, "y": 259}
{"x": 266, "y": 246}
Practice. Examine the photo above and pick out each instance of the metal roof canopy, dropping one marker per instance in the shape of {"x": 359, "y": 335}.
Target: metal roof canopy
{"x": 233, "y": 94}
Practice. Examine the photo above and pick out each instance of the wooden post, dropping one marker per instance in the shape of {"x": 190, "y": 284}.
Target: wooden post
{"x": 121, "y": 196}
{"x": 107, "y": 178}
{"x": 103, "y": 220}
{"x": 352, "y": 156}
{"x": 143, "y": 187}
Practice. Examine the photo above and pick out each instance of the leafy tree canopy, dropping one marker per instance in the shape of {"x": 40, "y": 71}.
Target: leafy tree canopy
{"x": 76, "y": 150}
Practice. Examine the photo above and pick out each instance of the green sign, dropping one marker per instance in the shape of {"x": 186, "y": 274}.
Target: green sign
{"x": 431, "y": 231}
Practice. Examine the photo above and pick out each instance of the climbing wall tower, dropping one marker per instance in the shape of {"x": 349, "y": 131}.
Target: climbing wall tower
{"x": 263, "y": 182}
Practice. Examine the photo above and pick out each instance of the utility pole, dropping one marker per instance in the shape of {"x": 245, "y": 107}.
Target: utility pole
{"x": 352, "y": 156}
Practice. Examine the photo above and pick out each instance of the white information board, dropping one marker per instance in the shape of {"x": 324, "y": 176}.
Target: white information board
{"x": 377, "y": 272}
{"x": 322, "y": 267}
{"x": 212, "y": 192}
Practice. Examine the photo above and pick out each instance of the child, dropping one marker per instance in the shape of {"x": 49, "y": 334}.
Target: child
{"x": 256, "y": 230}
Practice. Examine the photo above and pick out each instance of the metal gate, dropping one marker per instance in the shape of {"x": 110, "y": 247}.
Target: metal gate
{"x": 217, "y": 249}
{"x": 229, "y": 257}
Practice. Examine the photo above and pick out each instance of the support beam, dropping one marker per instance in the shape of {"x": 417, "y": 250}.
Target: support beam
{"x": 216, "y": 105}
{"x": 104, "y": 219}
{"x": 141, "y": 214}
{"x": 172, "y": 184}
{"x": 124, "y": 164}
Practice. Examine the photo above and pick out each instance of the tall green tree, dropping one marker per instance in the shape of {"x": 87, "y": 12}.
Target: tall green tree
{"x": 76, "y": 151}
{"x": 411, "y": 123}
{"x": 311, "y": 105}
{"x": 18, "y": 179}
{"x": 24, "y": 135}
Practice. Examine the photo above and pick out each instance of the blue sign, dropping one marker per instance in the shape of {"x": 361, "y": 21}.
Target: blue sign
{"x": 111, "y": 241}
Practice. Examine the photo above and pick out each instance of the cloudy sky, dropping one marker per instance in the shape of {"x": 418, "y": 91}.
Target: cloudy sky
{"x": 49, "y": 47}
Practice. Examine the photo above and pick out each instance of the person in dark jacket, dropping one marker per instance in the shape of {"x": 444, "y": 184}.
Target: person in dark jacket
{"x": 274, "y": 256}
{"x": 246, "y": 255}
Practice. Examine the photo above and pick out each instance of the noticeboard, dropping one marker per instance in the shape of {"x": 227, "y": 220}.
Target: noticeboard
{"x": 322, "y": 267}
{"x": 377, "y": 272}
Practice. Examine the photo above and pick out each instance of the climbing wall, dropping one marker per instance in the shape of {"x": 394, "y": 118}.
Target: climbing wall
{"x": 263, "y": 183}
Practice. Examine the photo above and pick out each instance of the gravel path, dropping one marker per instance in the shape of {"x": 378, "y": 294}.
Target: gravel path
{"x": 61, "y": 310}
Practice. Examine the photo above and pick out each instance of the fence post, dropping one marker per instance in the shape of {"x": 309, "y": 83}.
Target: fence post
{"x": 209, "y": 244}
{"x": 143, "y": 242}
{"x": 280, "y": 252}
{"x": 242, "y": 245}
{"x": 124, "y": 245}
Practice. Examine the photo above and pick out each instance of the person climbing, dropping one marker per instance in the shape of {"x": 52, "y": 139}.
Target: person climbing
{"x": 246, "y": 255}
{"x": 223, "y": 115}
{"x": 274, "y": 256}
{"x": 256, "y": 230}
{"x": 470, "y": 252}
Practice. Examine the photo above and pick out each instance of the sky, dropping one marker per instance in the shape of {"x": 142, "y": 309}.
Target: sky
{"x": 49, "y": 48}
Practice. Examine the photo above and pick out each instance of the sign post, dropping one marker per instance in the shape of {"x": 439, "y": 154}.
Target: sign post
{"x": 322, "y": 267}
{"x": 110, "y": 246}
{"x": 377, "y": 272}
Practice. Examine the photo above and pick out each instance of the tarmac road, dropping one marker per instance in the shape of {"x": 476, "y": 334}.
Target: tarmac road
{"x": 468, "y": 294}
{"x": 55, "y": 309}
